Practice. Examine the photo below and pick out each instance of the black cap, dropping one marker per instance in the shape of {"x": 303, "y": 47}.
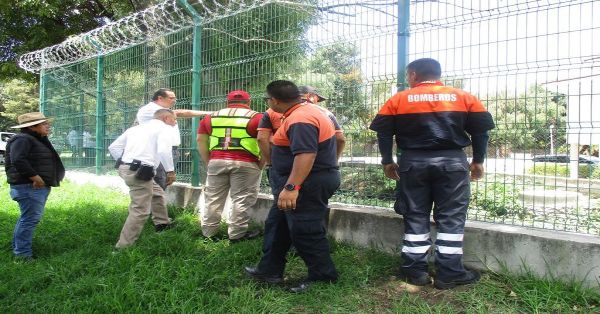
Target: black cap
{"x": 307, "y": 89}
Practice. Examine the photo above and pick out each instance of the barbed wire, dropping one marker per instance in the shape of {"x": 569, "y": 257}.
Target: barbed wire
{"x": 156, "y": 21}
{"x": 169, "y": 17}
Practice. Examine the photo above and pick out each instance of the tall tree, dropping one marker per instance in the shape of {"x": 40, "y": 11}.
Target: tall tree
{"x": 523, "y": 122}
{"x": 248, "y": 50}
{"x": 340, "y": 63}
{"x": 17, "y": 96}
{"x": 28, "y": 25}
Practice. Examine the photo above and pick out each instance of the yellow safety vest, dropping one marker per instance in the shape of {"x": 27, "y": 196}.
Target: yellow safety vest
{"x": 229, "y": 131}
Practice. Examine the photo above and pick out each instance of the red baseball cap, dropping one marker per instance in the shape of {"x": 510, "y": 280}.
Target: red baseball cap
{"x": 238, "y": 95}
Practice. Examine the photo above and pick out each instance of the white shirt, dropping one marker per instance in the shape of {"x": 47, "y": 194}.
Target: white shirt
{"x": 146, "y": 114}
{"x": 87, "y": 140}
{"x": 148, "y": 143}
{"x": 72, "y": 137}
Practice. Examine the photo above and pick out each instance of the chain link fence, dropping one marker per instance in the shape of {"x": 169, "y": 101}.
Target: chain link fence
{"x": 532, "y": 63}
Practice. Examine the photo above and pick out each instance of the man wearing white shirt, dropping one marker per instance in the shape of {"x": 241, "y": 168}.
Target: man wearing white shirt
{"x": 147, "y": 144}
{"x": 165, "y": 98}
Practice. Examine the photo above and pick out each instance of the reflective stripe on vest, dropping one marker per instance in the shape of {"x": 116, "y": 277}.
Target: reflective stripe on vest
{"x": 229, "y": 131}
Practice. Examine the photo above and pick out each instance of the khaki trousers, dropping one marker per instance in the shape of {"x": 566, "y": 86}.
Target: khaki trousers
{"x": 241, "y": 180}
{"x": 146, "y": 197}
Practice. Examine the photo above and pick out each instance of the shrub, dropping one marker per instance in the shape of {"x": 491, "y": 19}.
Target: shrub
{"x": 562, "y": 170}
{"x": 497, "y": 198}
{"x": 550, "y": 169}
{"x": 366, "y": 182}
{"x": 595, "y": 173}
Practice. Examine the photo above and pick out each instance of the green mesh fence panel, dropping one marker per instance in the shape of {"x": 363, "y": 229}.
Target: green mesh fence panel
{"x": 71, "y": 100}
{"x": 533, "y": 64}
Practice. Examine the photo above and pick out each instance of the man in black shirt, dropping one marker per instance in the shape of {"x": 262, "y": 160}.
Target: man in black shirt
{"x": 32, "y": 168}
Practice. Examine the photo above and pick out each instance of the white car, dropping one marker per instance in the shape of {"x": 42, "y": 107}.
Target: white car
{"x": 4, "y": 136}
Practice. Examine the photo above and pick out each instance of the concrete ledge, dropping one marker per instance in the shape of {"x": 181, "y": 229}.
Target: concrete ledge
{"x": 487, "y": 246}
{"x": 561, "y": 255}
{"x": 556, "y": 254}
{"x": 184, "y": 195}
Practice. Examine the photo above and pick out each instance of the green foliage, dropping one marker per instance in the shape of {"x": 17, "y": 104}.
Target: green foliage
{"x": 523, "y": 122}
{"x": 28, "y": 25}
{"x": 272, "y": 38}
{"x": 366, "y": 182}
{"x": 550, "y": 169}
{"x": 17, "y": 96}
{"x": 563, "y": 170}
{"x": 340, "y": 64}
{"x": 178, "y": 272}
{"x": 595, "y": 173}
{"x": 497, "y": 198}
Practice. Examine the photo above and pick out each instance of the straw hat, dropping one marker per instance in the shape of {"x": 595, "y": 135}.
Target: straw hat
{"x": 29, "y": 119}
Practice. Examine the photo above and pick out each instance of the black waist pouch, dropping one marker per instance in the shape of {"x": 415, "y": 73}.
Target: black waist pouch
{"x": 118, "y": 163}
{"x": 145, "y": 172}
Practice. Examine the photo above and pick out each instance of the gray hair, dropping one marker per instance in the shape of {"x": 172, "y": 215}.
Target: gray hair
{"x": 161, "y": 113}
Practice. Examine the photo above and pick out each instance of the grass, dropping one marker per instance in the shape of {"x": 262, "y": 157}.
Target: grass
{"x": 177, "y": 272}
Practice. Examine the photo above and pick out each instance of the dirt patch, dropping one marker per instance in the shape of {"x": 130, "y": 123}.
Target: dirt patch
{"x": 387, "y": 291}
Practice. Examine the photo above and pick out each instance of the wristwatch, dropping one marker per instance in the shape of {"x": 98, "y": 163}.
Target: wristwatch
{"x": 292, "y": 187}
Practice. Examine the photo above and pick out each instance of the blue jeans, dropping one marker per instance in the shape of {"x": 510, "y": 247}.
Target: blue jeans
{"x": 31, "y": 202}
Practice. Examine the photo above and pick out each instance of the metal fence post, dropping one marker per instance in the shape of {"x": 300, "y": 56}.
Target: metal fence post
{"x": 403, "y": 37}
{"x": 196, "y": 66}
{"x": 403, "y": 42}
{"x": 43, "y": 91}
{"x": 100, "y": 115}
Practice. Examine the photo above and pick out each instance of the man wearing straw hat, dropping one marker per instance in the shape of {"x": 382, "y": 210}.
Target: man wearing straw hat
{"x": 32, "y": 168}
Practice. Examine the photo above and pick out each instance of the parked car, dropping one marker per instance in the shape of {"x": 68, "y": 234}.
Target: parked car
{"x": 565, "y": 159}
{"x": 4, "y": 136}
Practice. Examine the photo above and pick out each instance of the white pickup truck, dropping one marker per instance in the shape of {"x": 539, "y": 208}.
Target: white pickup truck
{"x": 4, "y": 136}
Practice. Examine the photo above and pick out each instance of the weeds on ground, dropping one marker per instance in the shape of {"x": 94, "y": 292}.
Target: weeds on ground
{"x": 176, "y": 271}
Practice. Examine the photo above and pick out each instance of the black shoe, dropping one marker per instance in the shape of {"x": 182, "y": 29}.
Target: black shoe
{"x": 247, "y": 236}
{"x": 470, "y": 276}
{"x": 163, "y": 227}
{"x": 257, "y": 275}
{"x": 417, "y": 279}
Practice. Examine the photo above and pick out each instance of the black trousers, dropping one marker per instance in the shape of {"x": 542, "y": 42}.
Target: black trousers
{"x": 304, "y": 227}
{"x": 437, "y": 180}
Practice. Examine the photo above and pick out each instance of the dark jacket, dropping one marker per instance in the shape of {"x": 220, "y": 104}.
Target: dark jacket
{"x": 28, "y": 154}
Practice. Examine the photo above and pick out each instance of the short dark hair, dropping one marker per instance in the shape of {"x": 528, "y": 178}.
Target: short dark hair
{"x": 283, "y": 90}
{"x": 426, "y": 68}
{"x": 161, "y": 92}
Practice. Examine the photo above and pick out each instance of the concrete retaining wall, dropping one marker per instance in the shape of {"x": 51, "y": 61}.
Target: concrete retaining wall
{"x": 562, "y": 255}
